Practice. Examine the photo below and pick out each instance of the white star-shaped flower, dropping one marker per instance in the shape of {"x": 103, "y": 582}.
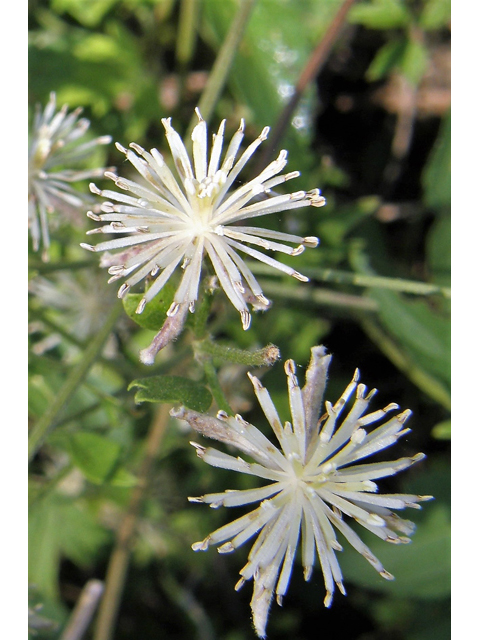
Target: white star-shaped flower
{"x": 314, "y": 480}
{"x": 168, "y": 223}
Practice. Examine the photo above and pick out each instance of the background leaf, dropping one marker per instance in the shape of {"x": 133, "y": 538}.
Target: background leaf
{"x": 59, "y": 527}
{"x": 421, "y": 568}
{"x": 436, "y": 176}
{"x": 380, "y": 14}
{"x": 422, "y": 332}
{"x": 97, "y": 458}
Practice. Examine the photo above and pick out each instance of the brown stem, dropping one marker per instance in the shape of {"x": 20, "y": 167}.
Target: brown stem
{"x": 310, "y": 71}
{"x": 119, "y": 560}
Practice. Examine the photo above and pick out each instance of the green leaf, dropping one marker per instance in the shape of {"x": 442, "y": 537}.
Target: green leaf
{"x": 438, "y": 249}
{"x": 422, "y": 332}
{"x": 278, "y": 40}
{"x": 95, "y": 455}
{"x": 380, "y": 14}
{"x": 153, "y": 316}
{"x": 421, "y": 568}
{"x": 89, "y": 13}
{"x": 435, "y": 14}
{"x": 172, "y": 389}
{"x": 436, "y": 177}
{"x": 387, "y": 58}
{"x": 414, "y": 60}
{"x": 60, "y": 528}
{"x": 122, "y": 478}
{"x": 408, "y": 56}
{"x": 442, "y": 430}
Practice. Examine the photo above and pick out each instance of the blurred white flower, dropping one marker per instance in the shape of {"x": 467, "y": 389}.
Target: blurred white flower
{"x": 79, "y": 302}
{"x": 171, "y": 223}
{"x": 53, "y": 152}
{"x": 314, "y": 482}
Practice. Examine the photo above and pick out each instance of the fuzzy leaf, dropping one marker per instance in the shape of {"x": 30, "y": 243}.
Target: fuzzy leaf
{"x": 172, "y": 389}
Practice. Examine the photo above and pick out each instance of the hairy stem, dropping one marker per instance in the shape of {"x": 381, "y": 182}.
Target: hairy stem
{"x": 215, "y": 388}
{"x": 258, "y": 358}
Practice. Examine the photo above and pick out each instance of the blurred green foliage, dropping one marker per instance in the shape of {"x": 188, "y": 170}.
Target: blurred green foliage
{"x": 117, "y": 59}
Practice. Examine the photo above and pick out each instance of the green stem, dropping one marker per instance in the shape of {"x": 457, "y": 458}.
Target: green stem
{"x": 322, "y": 297}
{"x": 117, "y": 364}
{"x": 215, "y": 388}
{"x": 48, "y": 421}
{"x": 51, "y": 267}
{"x": 420, "y": 378}
{"x": 221, "y": 67}
{"x": 364, "y": 280}
{"x": 378, "y": 282}
{"x": 202, "y": 312}
{"x": 360, "y": 263}
{"x": 185, "y": 600}
{"x": 189, "y": 10}
{"x": 51, "y": 484}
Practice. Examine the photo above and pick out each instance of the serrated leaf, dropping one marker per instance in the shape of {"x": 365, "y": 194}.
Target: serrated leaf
{"x": 173, "y": 389}
{"x": 380, "y": 14}
{"x": 436, "y": 177}
{"x": 95, "y": 455}
{"x": 154, "y": 314}
{"x": 421, "y": 568}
